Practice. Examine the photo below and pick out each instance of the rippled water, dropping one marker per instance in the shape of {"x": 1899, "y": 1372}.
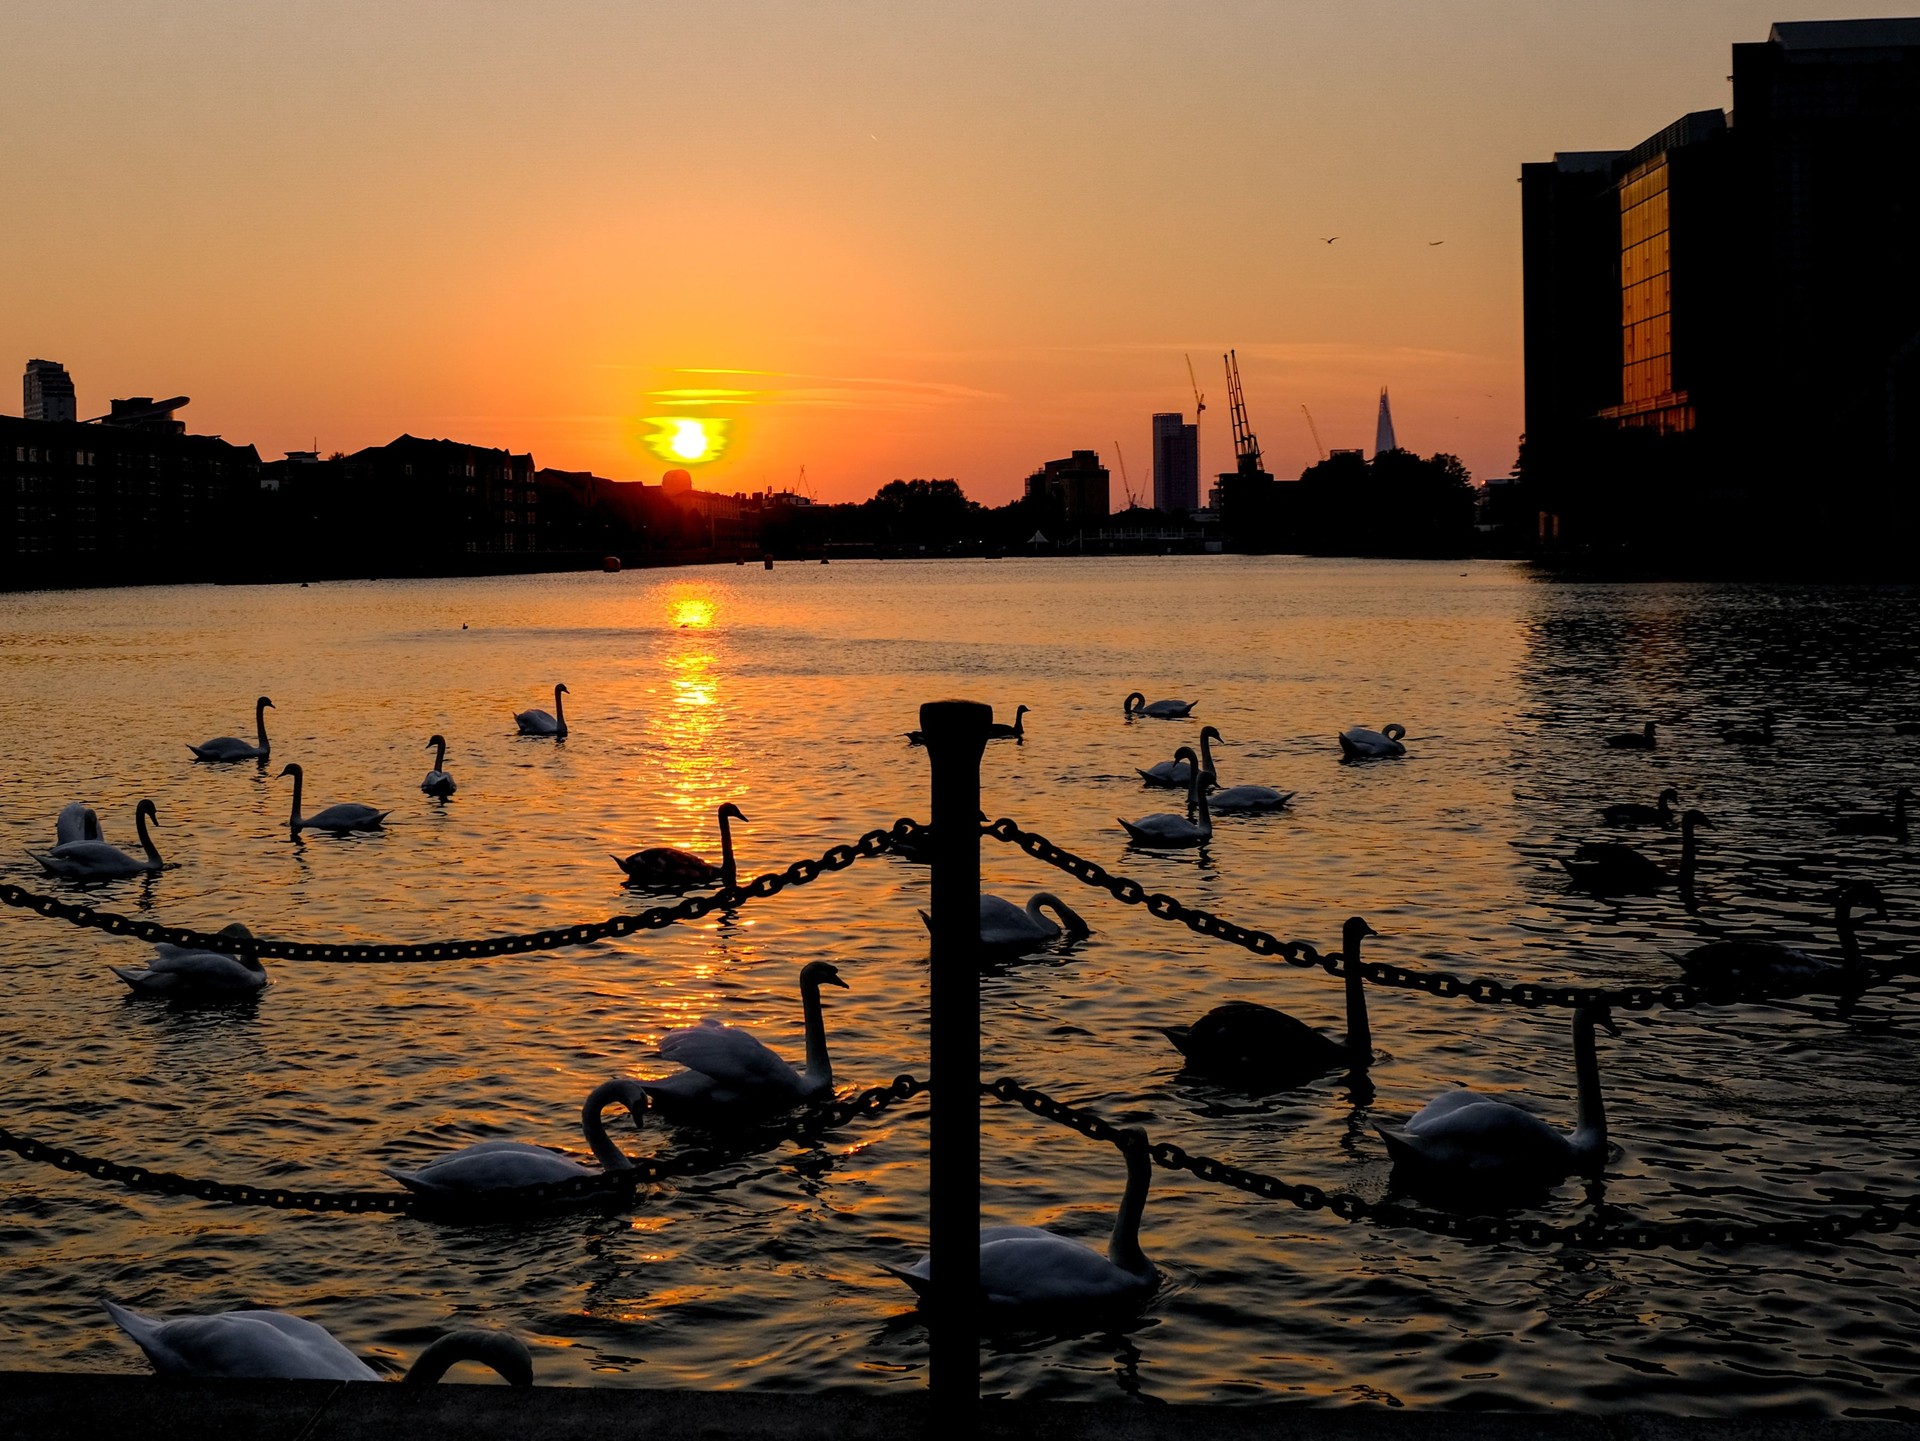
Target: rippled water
{"x": 787, "y": 692}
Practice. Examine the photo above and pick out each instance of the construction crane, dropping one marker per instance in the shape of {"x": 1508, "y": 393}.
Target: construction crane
{"x": 1246, "y": 448}
{"x": 1316, "y": 432}
{"x": 1125, "y": 484}
{"x": 1199, "y": 400}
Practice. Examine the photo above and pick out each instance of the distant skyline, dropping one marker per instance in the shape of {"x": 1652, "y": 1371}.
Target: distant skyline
{"x": 880, "y": 242}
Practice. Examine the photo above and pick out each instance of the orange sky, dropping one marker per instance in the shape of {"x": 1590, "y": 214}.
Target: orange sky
{"x": 937, "y": 243}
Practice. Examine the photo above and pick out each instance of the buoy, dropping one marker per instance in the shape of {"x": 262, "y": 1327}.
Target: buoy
{"x": 767, "y": 563}
{"x": 611, "y": 564}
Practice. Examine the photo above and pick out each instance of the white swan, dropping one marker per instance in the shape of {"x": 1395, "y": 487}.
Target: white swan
{"x": 98, "y": 861}
{"x": 271, "y": 1345}
{"x": 1176, "y": 773}
{"x": 1469, "y": 1140}
{"x": 670, "y": 868}
{"x": 730, "y": 1076}
{"x": 232, "y": 748}
{"x": 1159, "y": 709}
{"x": 1771, "y": 964}
{"x": 1361, "y": 744}
{"x": 1003, "y": 925}
{"x": 1164, "y": 830}
{"x": 438, "y": 782}
{"x": 539, "y": 723}
{"x": 182, "y": 971}
{"x": 1029, "y": 1268}
{"x": 76, "y": 822}
{"x": 340, "y": 819}
{"x": 493, "y": 1166}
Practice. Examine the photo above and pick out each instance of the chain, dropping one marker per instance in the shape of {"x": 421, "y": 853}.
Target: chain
{"x": 761, "y": 887}
{"x": 1881, "y": 1213}
{"x": 1678, "y": 996}
{"x": 621, "y": 1184}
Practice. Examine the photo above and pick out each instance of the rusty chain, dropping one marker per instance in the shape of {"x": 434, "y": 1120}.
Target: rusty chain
{"x": 693, "y": 908}
{"x": 613, "y": 1185}
{"x": 1598, "y": 1232}
{"x": 1676, "y": 996}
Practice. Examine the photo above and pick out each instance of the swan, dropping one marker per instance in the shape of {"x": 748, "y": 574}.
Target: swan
{"x": 539, "y": 723}
{"x": 1176, "y": 773}
{"x": 271, "y": 1345}
{"x": 670, "y": 868}
{"x": 1746, "y": 736}
{"x": 1029, "y": 1268}
{"x": 1164, "y": 830}
{"x": 494, "y": 1166}
{"x": 729, "y": 1075}
{"x": 1005, "y": 926}
{"x": 76, "y": 822}
{"x": 1000, "y": 731}
{"x": 1633, "y": 740}
{"x": 1874, "y": 823}
{"x": 231, "y": 748}
{"x": 1361, "y": 744}
{"x": 1612, "y": 869}
{"x": 1159, "y": 709}
{"x": 186, "y": 971}
{"x": 1254, "y": 1045}
{"x": 98, "y": 861}
{"x": 1485, "y": 1144}
{"x": 347, "y": 816}
{"x": 1632, "y": 813}
{"x": 1770, "y": 964}
{"x": 438, "y": 782}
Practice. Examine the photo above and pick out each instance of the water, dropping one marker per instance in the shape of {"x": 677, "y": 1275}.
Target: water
{"x": 787, "y": 692}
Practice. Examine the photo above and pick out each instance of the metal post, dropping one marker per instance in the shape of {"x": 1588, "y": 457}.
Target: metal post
{"x": 956, "y": 736}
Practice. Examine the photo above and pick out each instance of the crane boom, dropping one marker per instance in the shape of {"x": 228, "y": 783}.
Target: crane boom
{"x": 1246, "y": 447}
{"x": 1199, "y": 400}
{"x": 1125, "y": 484}
{"x": 1315, "y": 431}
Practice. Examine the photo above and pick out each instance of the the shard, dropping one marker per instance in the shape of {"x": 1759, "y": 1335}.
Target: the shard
{"x": 1383, "y": 440}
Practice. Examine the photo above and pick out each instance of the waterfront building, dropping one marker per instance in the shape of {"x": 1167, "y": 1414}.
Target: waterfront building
{"x": 1722, "y": 323}
{"x": 46, "y": 392}
{"x": 1077, "y": 485}
{"x": 1176, "y": 464}
{"x": 414, "y": 501}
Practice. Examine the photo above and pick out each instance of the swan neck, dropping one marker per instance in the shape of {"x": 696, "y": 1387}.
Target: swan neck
{"x": 293, "y": 818}
{"x": 1197, "y": 796}
{"x": 260, "y": 726}
{"x": 1206, "y": 754}
{"x": 1849, "y": 943}
{"x": 595, "y": 1127}
{"x": 559, "y": 711}
{"x": 146, "y": 841}
{"x": 1123, "y": 1246}
{"x": 1359, "y": 1029}
{"x": 1590, "y": 1127}
{"x": 819, "y": 1066}
{"x": 504, "y": 1354}
{"x": 727, "y": 872}
{"x": 440, "y": 756}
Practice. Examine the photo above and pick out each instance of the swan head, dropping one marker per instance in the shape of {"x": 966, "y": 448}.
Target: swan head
{"x": 145, "y": 808}
{"x": 1858, "y": 895}
{"x": 1019, "y": 711}
{"x": 1210, "y": 733}
{"x": 1598, "y": 1014}
{"x": 1669, "y": 796}
{"x": 264, "y": 703}
{"x": 1696, "y": 819}
{"x": 1189, "y": 755}
{"x": 561, "y": 689}
{"x": 1127, "y": 704}
{"x": 1351, "y": 934}
{"x": 730, "y": 809}
{"x": 1394, "y": 732}
{"x": 292, "y": 768}
{"x": 822, "y": 973}
{"x": 433, "y": 741}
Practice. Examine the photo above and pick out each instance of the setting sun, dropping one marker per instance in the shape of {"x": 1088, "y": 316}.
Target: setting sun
{"x": 685, "y": 439}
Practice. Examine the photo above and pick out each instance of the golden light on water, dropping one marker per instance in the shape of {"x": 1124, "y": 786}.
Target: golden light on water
{"x": 692, "y": 612}
{"x": 686, "y": 439}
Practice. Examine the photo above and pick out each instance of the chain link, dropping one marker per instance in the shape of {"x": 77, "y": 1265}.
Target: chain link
{"x": 622, "y": 1184}
{"x": 1677, "y": 996}
{"x": 1880, "y": 1213}
{"x": 693, "y": 908}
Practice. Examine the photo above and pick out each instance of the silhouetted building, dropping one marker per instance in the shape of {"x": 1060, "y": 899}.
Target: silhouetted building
{"x": 143, "y": 412}
{"x": 420, "y": 500}
{"x": 1176, "y": 464}
{"x": 46, "y": 392}
{"x": 1723, "y": 322}
{"x": 1383, "y": 438}
{"x": 1077, "y": 485}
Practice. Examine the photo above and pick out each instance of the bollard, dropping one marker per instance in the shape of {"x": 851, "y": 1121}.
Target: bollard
{"x": 956, "y": 737}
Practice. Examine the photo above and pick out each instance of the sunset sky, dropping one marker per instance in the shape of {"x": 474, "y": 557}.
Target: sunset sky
{"x": 895, "y": 241}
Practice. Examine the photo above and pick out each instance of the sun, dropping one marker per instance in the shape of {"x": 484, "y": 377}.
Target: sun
{"x": 689, "y": 440}
{"x": 686, "y": 439}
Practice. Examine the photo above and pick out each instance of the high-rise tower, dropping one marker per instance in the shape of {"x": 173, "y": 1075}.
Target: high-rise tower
{"x": 1383, "y": 440}
{"x": 1176, "y": 463}
{"x": 46, "y": 392}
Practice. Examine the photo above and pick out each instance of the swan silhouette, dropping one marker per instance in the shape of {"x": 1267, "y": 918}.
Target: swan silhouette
{"x": 76, "y": 822}
{"x": 1612, "y": 868}
{"x": 185, "y": 972}
{"x": 1361, "y": 744}
{"x": 1876, "y": 823}
{"x": 1641, "y": 740}
{"x": 1005, "y": 926}
{"x": 999, "y": 731}
{"x": 1774, "y": 965}
{"x": 1164, "y": 830}
{"x": 670, "y": 868}
{"x": 1256, "y": 1046}
{"x": 730, "y": 1076}
{"x": 1029, "y": 1269}
{"x": 491, "y": 1167}
{"x": 1159, "y": 709}
{"x": 271, "y": 1345}
{"x": 539, "y": 723}
{"x": 98, "y": 861}
{"x": 336, "y": 820}
{"x": 1480, "y": 1143}
{"x": 231, "y": 748}
{"x": 1746, "y": 736}
{"x": 1176, "y": 773}
{"x": 438, "y": 782}
{"x": 1632, "y": 813}
{"x": 1240, "y": 800}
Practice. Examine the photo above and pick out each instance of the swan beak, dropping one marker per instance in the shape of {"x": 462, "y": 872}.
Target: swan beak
{"x": 1608, "y": 1024}
{"x": 834, "y": 980}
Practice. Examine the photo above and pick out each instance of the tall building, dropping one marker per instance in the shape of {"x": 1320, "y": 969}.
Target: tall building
{"x": 1078, "y": 485}
{"x": 1722, "y": 323}
{"x": 46, "y": 392}
{"x": 1176, "y": 463}
{"x": 1383, "y": 440}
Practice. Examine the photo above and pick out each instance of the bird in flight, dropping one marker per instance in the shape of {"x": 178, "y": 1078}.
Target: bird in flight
{"x": 1436, "y": 242}
{"x": 1329, "y": 238}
